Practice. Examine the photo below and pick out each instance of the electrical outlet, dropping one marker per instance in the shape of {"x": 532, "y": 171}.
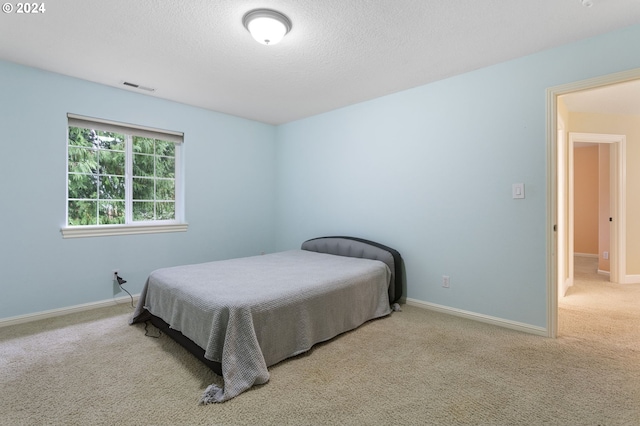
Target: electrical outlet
{"x": 605, "y": 255}
{"x": 446, "y": 281}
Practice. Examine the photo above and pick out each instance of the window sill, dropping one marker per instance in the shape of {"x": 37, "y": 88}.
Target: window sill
{"x": 105, "y": 230}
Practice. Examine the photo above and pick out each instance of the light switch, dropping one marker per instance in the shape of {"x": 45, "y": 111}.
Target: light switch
{"x": 518, "y": 190}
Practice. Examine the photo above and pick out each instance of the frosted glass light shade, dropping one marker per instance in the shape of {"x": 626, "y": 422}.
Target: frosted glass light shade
{"x": 267, "y": 26}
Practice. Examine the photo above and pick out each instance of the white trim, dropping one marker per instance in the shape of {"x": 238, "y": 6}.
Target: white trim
{"x": 21, "y": 319}
{"x": 514, "y": 325}
{"x": 562, "y": 265}
{"x": 564, "y": 286}
{"x": 603, "y": 272}
{"x": 128, "y": 183}
{"x": 552, "y": 214}
{"x": 104, "y": 230}
{"x": 592, "y": 255}
{"x": 631, "y": 279}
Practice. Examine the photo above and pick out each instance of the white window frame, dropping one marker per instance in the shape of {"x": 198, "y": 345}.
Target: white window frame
{"x": 147, "y": 227}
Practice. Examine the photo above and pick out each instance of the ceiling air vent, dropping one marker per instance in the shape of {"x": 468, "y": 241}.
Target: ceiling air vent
{"x": 137, "y": 86}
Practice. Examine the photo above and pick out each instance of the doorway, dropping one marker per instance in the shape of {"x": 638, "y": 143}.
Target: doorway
{"x": 558, "y": 187}
{"x": 616, "y": 145}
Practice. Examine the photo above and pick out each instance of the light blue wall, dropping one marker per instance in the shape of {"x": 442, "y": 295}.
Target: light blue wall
{"x": 230, "y": 182}
{"x": 429, "y": 171}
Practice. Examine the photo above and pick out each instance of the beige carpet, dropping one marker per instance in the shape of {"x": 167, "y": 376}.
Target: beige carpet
{"x": 415, "y": 367}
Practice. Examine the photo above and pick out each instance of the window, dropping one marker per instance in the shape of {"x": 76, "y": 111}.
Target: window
{"x": 122, "y": 179}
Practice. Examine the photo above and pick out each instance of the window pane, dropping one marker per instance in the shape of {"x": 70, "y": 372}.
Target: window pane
{"x": 112, "y": 187}
{"x": 83, "y": 186}
{"x": 79, "y": 136}
{"x": 112, "y": 213}
{"x": 143, "y": 165}
{"x": 83, "y": 213}
{"x": 111, "y": 162}
{"x": 82, "y": 160}
{"x": 142, "y": 211}
{"x": 143, "y": 145}
{"x": 165, "y": 167}
{"x": 165, "y": 211}
{"x": 143, "y": 188}
{"x": 165, "y": 189}
{"x": 110, "y": 140}
{"x": 167, "y": 149}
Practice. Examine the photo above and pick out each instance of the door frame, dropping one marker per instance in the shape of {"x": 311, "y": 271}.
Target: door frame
{"x": 552, "y": 181}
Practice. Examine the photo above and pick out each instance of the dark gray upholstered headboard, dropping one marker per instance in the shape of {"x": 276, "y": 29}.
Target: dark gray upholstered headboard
{"x": 358, "y": 247}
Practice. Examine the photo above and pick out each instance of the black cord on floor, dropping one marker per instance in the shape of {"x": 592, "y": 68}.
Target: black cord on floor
{"x": 146, "y": 332}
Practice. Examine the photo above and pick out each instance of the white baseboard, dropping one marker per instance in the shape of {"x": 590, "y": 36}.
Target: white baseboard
{"x": 527, "y": 328}
{"x": 585, "y": 254}
{"x": 602, "y": 272}
{"x": 564, "y": 287}
{"x": 631, "y": 279}
{"x": 20, "y": 319}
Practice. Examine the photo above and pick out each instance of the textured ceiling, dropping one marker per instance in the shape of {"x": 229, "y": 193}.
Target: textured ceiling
{"x": 339, "y": 52}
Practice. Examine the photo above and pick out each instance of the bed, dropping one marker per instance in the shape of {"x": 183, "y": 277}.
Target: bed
{"x": 240, "y": 316}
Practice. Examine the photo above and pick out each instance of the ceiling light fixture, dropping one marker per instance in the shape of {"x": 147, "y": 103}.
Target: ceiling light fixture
{"x": 266, "y": 26}
{"x": 587, "y": 3}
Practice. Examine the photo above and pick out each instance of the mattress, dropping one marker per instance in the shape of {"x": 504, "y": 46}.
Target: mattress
{"x": 250, "y": 313}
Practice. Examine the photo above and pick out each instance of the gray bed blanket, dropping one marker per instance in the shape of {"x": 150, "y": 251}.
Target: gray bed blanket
{"x": 250, "y": 313}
